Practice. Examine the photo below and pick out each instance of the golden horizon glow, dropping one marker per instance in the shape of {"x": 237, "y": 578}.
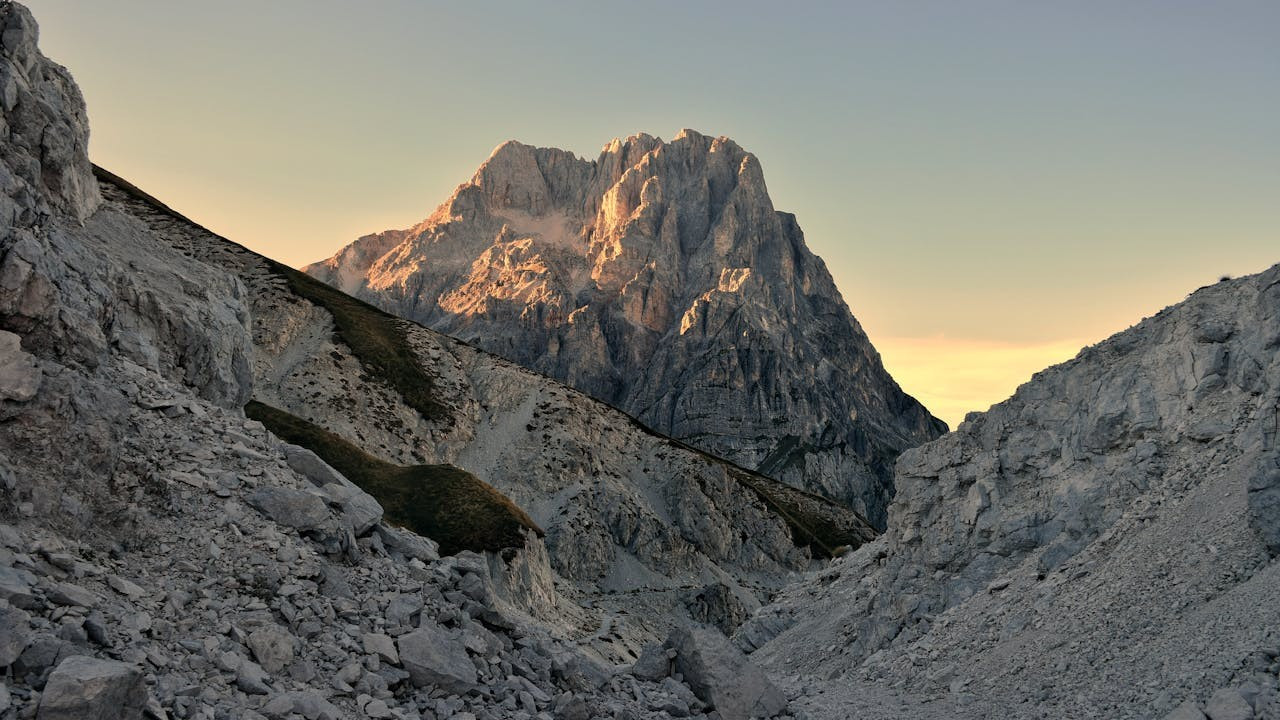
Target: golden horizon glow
{"x": 955, "y": 376}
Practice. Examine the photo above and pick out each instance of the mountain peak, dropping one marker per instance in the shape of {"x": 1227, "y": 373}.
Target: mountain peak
{"x": 660, "y": 279}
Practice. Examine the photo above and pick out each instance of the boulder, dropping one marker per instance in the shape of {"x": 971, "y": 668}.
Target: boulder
{"x": 84, "y": 687}
{"x": 435, "y": 657}
{"x": 382, "y": 646}
{"x": 409, "y": 545}
{"x": 360, "y": 510}
{"x": 721, "y": 676}
{"x": 272, "y": 647}
{"x": 1228, "y": 704}
{"x": 293, "y": 508}
{"x": 15, "y": 633}
{"x": 653, "y": 663}
{"x": 71, "y": 595}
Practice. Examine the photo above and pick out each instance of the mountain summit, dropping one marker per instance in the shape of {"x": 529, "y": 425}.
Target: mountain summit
{"x": 660, "y": 279}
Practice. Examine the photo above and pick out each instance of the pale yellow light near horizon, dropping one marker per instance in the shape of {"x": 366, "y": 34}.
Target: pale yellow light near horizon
{"x": 955, "y": 376}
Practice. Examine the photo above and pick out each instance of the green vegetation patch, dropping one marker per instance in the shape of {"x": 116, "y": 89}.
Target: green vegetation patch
{"x": 378, "y": 340}
{"x": 442, "y": 502}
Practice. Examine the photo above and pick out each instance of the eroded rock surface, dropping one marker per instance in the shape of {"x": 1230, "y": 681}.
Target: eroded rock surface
{"x": 1102, "y": 540}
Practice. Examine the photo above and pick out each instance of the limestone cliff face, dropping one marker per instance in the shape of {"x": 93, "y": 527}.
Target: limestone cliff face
{"x": 660, "y": 279}
{"x": 1104, "y": 538}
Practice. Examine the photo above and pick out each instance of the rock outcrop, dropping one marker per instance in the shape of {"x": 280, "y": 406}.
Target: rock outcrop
{"x": 84, "y": 687}
{"x": 1100, "y": 544}
{"x": 659, "y": 279}
{"x": 722, "y": 677}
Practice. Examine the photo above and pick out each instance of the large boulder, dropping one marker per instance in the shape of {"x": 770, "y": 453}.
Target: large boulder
{"x": 84, "y": 687}
{"x": 1228, "y": 704}
{"x": 435, "y": 657}
{"x": 273, "y": 647}
{"x": 15, "y": 633}
{"x": 359, "y": 509}
{"x": 721, "y": 676}
{"x": 294, "y": 508}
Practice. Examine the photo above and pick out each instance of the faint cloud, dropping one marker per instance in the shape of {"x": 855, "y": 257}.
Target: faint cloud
{"x": 953, "y": 376}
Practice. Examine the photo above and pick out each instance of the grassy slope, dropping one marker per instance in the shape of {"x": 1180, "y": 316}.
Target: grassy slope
{"x": 442, "y": 502}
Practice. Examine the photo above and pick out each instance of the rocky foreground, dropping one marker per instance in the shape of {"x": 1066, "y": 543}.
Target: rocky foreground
{"x": 659, "y": 279}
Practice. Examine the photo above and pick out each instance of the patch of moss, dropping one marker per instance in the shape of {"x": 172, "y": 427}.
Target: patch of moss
{"x": 442, "y": 502}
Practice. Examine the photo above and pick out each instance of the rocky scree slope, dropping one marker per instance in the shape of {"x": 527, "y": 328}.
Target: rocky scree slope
{"x": 1102, "y": 544}
{"x": 163, "y": 556}
{"x": 659, "y": 279}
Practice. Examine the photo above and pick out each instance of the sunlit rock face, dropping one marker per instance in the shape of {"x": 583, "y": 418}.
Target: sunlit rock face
{"x": 660, "y": 279}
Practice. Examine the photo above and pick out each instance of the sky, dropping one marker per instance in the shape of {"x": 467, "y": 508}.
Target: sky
{"x": 993, "y": 184}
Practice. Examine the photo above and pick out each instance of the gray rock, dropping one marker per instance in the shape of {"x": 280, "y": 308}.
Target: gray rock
{"x": 437, "y": 658}
{"x": 43, "y": 651}
{"x": 292, "y": 508}
{"x": 360, "y": 510}
{"x": 73, "y": 595}
{"x": 408, "y": 544}
{"x": 84, "y": 687}
{"x": 1099, "y": 465}
{"x": 252, "y": 678}
{"x": 402, "y": 609}
{"x": 19, "y": 374}
{"x": 307, "y": 703}
{"x": 722, "y": 677}
{"x": 125, "y": 587}
{"x": 382, "y": 646}
{"x": 1228, "y": 704}
{"x": 15, "y": 633}
{"x": 652, "y": 664}
{"x": 273, "y": 647}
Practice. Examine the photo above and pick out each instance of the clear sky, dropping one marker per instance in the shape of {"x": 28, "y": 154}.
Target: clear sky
{"x": 993, "y": 184}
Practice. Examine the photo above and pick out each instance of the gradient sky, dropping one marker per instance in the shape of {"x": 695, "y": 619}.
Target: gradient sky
{"x": 993, "y": 184}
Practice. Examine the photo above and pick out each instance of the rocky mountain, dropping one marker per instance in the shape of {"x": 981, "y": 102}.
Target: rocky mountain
{"x": 162, "y": 554}
{"x": 660, "y": 279}
{"x": 228, "y": 490}
{"x": 1102, "y": 544}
